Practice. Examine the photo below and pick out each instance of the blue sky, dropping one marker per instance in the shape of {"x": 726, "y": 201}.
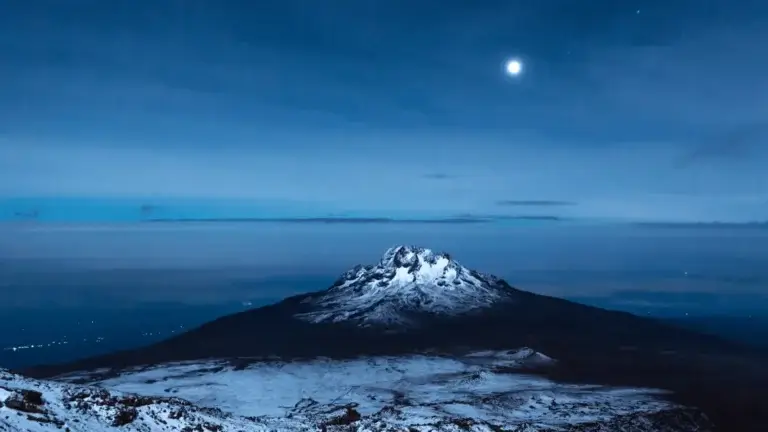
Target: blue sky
{"x": 386, "y": 108}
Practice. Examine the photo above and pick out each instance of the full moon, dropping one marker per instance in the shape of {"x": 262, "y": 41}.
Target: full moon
{"x": 514, "y": 67}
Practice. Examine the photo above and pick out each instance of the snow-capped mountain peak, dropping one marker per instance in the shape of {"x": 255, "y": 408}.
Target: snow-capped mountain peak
{"x": 417, "y": 264}
{"x": 405, "y": 281}
{"x": 405, "y": 256}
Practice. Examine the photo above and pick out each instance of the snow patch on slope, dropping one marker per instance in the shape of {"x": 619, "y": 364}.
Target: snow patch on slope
{"x": 406, "y": 280}
{"x": 45, "y": 406}
{"x": 424, "y": 393}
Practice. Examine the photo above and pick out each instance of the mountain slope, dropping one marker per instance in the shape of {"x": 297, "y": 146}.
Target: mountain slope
{"x": 477, "y": 392}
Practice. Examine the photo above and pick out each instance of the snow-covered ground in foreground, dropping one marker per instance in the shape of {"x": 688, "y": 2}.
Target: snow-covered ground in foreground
{"x": 482, "y": 391}
{"x": 28, "y": 405}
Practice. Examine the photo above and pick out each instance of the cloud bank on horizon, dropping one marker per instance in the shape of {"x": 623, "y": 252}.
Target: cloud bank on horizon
{"x": 387, "y": 109}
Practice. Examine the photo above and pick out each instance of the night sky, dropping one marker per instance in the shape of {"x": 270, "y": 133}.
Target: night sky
{"x": 641, "y": 110}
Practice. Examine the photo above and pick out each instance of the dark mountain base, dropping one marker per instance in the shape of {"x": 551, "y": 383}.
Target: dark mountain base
{"x": 730, "y": 390}
{"x": 752, "y": 330}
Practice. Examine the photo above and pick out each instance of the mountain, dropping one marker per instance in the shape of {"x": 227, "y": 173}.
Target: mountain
{"x": 415, "y": 301}
{"x": 407, "y": 282}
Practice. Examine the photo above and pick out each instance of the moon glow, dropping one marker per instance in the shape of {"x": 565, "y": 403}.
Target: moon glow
{"x": 514, "y": 67}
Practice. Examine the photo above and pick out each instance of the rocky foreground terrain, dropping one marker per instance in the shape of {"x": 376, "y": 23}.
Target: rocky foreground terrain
{"x": 480, "y": 391}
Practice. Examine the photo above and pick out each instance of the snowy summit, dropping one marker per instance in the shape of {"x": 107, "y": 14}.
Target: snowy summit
{"x": 407, "y": 280}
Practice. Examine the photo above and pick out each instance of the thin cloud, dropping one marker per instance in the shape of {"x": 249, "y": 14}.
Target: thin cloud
{"x": 335, "y": 220}
{"x": 27, "y": 214}
{"x": 736, "y": 145}
{"x": 147, "y": 210}
{"x": 439, "y": 176}
{"x": 703, "y": 225}
{"x": 534, "y": 203}
{"x": 530, "y": 217}
{"x": 490, "y": 217}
